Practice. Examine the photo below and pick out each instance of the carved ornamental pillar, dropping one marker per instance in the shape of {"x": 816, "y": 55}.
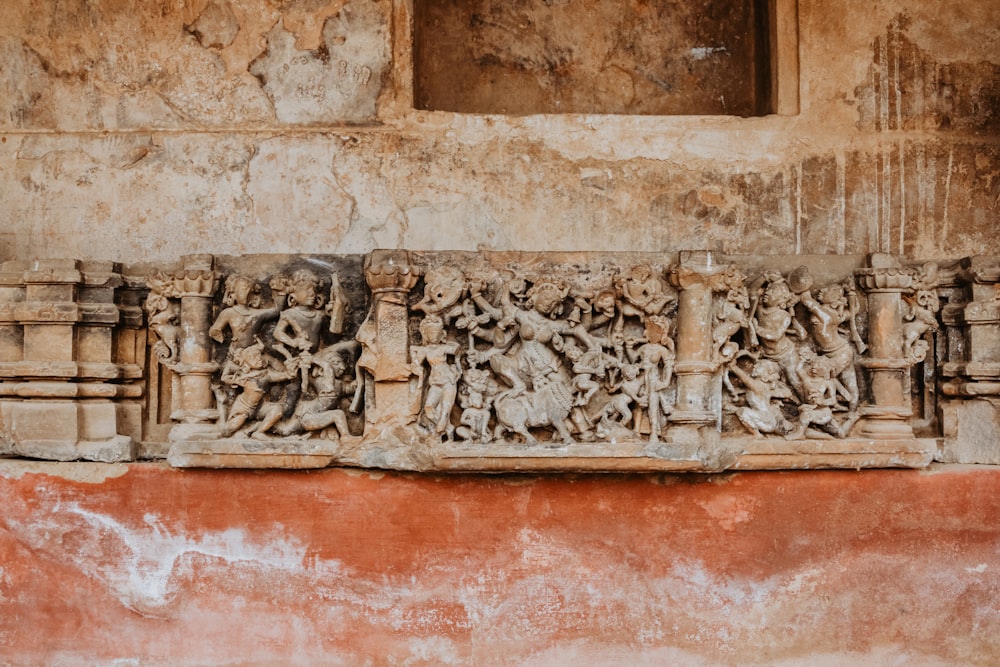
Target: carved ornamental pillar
{"x": 885, "y": 281}
{"x": 698, "y": 405}
{"x": 195, "y": 285}
{"x": 385, "y": 338}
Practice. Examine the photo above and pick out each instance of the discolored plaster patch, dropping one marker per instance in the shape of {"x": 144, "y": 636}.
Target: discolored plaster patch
{"x": 909, "y": 88}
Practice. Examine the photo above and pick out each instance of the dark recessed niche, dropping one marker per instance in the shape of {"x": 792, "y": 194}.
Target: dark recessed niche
{"x": 646, "y": 57}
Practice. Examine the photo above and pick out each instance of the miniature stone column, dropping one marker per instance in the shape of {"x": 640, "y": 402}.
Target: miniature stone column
{"x": 698, "y": 405}
{"x": 385, "y": 337}
{"x": 885, "y": 281}
{"x": 195, "y": 284}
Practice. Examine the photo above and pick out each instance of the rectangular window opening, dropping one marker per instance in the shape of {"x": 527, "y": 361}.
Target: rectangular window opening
{"x": 636, "y": 57}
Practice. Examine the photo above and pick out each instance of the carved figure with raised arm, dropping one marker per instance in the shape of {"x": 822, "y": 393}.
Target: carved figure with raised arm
{"x": 242, "y": 316}
{"x": 764, "y": 395}
{"x": 836, "y": 306}
{"x": 772, "y": 322}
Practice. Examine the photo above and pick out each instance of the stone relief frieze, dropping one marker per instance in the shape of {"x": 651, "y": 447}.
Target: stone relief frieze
{"x": 500, "y": 361}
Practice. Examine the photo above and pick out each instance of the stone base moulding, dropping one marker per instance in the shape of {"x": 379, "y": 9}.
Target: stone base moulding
{"x": 503, "y": 361}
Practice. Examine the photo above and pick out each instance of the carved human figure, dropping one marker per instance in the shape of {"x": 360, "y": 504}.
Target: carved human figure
{"x": 764, "y": 395}
{"x": 331, "y": 383}
{"x": 772, "y": 319}
{"x": 656, "y": 361}
{"x": 625, "y": 393}
{"x": 475, "y": 419}
{"x": 443, "y": 290}
{"x": 251, "y": 371}
{"x": 823, "y": 394}
{"x": 439, "y": 386}
{"x": 242, "y": 316}
{"x": 530, "y": 355}
{"x": 836, "y": 305}
{"x": 164, "y": 320}
{"x": 300, "y": 324}
{"x": 643, "y": 293}
{"x": 920, "y": 317}
{"x": 730, "y": 318}
{"x": 589, "y": 368}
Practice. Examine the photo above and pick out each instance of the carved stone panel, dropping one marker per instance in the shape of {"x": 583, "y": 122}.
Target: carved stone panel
{"x": 489, "y": 361}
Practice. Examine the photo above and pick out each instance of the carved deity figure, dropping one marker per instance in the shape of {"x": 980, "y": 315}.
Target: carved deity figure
{"x": 643, "y": 293}
{"x": 440, "y": 386}
{"x": 243, "y": 315}
{"x": 532, "y": 364}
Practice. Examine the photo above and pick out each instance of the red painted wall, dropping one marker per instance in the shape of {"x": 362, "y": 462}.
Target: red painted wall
{"x": 150, "y": 565}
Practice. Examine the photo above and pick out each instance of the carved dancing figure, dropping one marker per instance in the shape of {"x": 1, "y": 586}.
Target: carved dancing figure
{"x": 921, "y": 316}
{"x": 442, "y": 381}
{"x": 164, "y": 320}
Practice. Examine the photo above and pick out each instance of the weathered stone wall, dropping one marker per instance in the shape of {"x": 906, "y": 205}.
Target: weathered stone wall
{"x": 143, "y": 132}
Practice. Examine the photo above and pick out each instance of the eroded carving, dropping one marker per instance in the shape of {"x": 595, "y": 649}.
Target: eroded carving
{"x": 482, "y": 361}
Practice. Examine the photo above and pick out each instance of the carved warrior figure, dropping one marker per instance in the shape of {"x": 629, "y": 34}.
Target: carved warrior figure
{"x": 286, "y": 381}
{"x": 243, "y": 316}
{"x": 764, "y": 393}
{"x": 817, "y": 361}
{"x": 543, "y": 355}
